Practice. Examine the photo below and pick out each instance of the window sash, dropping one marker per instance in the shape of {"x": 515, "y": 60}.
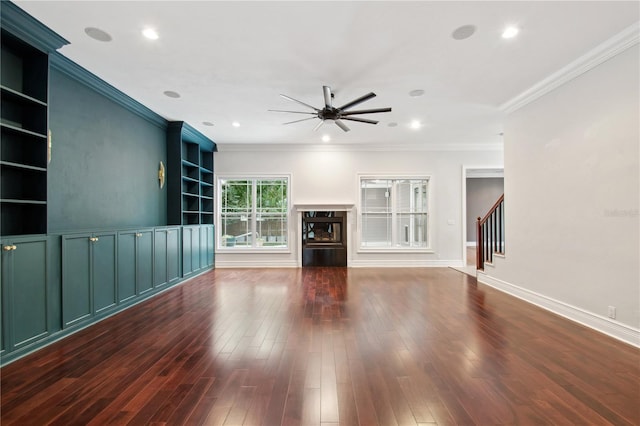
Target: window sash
{"x": 394, "y": 212}
{"x": 254, "y": 212}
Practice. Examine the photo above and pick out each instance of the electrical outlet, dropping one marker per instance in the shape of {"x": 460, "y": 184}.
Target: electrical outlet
{"x": 612, "y": 312}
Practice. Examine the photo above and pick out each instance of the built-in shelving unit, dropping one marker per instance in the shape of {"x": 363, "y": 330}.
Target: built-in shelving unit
{"x": 189, "y": 175}
{"x": 23, "y": 127}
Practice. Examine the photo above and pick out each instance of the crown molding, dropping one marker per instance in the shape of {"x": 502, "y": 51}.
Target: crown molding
{"x": 189, "y": 133}
{"x": 601, "y": 53}
{"x": 27, "y": 28}
{"x": 71, "y": 69}
{"x": 283, "y": 147}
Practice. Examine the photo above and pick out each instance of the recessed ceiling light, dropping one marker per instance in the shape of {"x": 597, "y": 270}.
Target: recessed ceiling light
{"x": 150, "y": 33}
{"x": 207, "y": 123}
{"x": 235, "y": 124}
{"x": 415, "y": 124}
{"x": 171, "y": 94}
{"x": 416, "y": 92}
{"x": 463, "y": 32}
{"x": 97, "y": 34}
{"x": 392, "y": 124}
{"x": 326, "y": 138}
{"x": 510, "y": 32}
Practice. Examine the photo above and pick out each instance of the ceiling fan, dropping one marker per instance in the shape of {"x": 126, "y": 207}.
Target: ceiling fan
{"x": 329, "y": 112}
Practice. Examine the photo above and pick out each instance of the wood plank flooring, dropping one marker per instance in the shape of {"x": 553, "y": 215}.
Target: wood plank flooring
{"x": 328, "y": 346}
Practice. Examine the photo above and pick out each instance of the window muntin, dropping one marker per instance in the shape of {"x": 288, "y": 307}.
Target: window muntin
{"x": 394, "y": 213}
{"x": 253, "y": 212}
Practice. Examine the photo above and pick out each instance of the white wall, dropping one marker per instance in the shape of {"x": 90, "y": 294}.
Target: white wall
{"x": 572, "y": 198}
{"x": 329, "y": 175}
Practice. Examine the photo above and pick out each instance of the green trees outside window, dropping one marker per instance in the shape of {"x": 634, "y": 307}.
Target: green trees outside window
{"x": 254, "y": 212}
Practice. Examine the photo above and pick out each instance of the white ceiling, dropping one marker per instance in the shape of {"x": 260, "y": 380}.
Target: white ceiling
{"x": 230, "y": 61}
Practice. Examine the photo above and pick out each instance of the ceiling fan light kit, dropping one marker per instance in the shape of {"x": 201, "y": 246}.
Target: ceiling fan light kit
{"x": 337, "y": 115}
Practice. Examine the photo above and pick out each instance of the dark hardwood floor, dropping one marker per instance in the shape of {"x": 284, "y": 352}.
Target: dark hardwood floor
{"x": 328, "y": 346}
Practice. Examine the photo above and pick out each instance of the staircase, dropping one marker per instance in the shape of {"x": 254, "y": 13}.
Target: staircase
{"x": 490, "y": 239}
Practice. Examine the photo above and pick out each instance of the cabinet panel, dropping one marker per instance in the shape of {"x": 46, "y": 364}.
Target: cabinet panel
{"x": 104, "y": 272}
{"x": 76, "y": 279}
{"x": 126, "y": 265}
{"x": 24, "y": 293}
{"x": 187, "y": 264}
{"x": 160, "y": 258}
{"x": 29, "y": 291}
{"x": 204, "y": 242}
{"x": 173, "y": 254}
{"x": 195, "y": 249}
{"x": 144, "y": 261}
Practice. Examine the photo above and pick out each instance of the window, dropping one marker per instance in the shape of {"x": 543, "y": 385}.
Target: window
{"x": 394, "y": 213}
{"x": 254, "y": 212}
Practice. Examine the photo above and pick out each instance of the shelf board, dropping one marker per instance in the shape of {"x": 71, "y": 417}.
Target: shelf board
{"x": 16, "y": 95}
{"x": 204, "y": 169}
{"x": 22, "y": 166}
{"x": 206, "y": 197}
{"x": 190, "y": 212}
{"x": 189, "y": 194}
{"x": 21, "y": 130}
{"x": 19, "y": 201}
{"x": 205, "y": 183}
{"x": 190, "y": 179}
{"x": 189, "y": 163}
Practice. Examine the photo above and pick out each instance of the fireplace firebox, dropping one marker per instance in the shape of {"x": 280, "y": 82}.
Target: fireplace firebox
{"x": 324, "y": 238}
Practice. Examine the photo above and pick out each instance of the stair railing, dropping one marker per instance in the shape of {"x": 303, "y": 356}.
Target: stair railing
{"x": 490, "y": 234}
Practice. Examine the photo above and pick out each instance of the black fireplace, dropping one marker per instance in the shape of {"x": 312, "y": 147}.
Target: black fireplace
{"x": 324, "y": 238}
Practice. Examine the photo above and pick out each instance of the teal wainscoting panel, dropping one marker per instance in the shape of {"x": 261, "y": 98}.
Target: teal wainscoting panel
{"x": 104, "y": 271}
{"x": 187, "y": 263}
{"x": 77, "y": 295}
{"x": 126, "y": 266}
{"x": 144, "y": 260}
{"x": 160, "y": 258}
{"x": 173, "y": 254}
{"x": 204, "y": 246}
{"x": 195, "y": 248}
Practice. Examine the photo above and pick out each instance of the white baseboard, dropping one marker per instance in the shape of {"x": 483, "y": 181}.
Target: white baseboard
{"x": 404, "y": 263}
{"x": 599, "y": 323}
{"x": 255, "y": 264}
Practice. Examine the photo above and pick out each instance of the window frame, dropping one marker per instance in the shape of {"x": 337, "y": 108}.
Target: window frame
{"x": 428, "y": 248}
{"x": 253, "y": 178}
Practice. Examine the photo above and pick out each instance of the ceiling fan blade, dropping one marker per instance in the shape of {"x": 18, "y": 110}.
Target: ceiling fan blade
{"x": 318, "y": 125}
{"x": 358, "y": 101}
{"x": 366, "y": 111}
{"x": 342, "y": 125}
{"x": 297, "y": 121}
{"x": 293, "y": 112}
{"x": 300, "y": 102}
{"x": 327, "y": 96}
{"x": 362, "y": 120}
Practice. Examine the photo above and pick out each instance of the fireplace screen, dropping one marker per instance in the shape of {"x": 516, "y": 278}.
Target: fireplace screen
{"x": 322, "y": 228}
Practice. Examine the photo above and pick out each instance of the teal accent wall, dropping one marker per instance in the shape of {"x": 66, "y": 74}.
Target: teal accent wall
{"x": 105, "y": 158}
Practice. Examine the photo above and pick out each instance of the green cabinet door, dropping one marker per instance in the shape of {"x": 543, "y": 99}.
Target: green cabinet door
{"x": 76, "y": 278}
{"x": 24, "y": 291}
{"x": 204, "y": 241}
{"x": 187, "y": 263}
{"x": 211, "y": 246}
{"x": 144, "y": 260}
{"x": 195, "y": 249}
{"x": 160, "y": 258}
{"x": 104, "y": 271}
{"x": 173, "y": 254}
{"x": 126, "y": 266}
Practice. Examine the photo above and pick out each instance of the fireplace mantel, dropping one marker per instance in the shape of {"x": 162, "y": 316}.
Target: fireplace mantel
{"x": 322, "y": 207}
